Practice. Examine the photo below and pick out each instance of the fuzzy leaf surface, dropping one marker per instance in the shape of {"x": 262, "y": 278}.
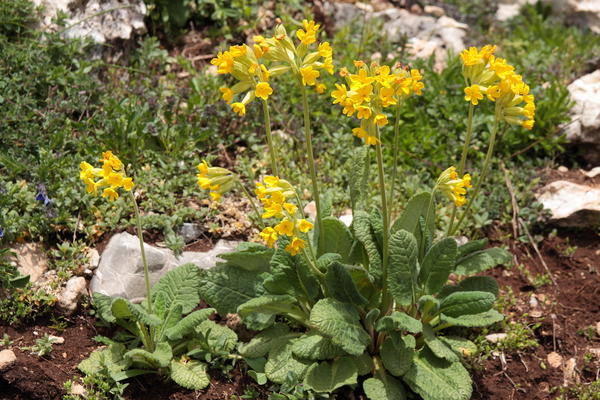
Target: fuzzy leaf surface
{"x": 482, "y": 260}
{"x": 341, "y": 286}
{"x": 474, "y": 320}
{"x": 388, "y": 388}
{"x": 270, "y": 304}
{"x": 225, "y": 287}
{"x": 462, "y": 303}
{"x": 471, "y": 284}
{"x": 461, "y": 346}
{"x": 397, "y": 354}
{"x": 159, "y": 358}
{"x": 338, "y": 239}
{"x": 325, "y": 377}
{"x": 340, "y": 322}
{"x": 437, "y": 265}
{"x": 180, "y": 285}
{"x": 249, "y": 256}
{"x": 403, "y": 267}
{"x": 187, "y": 325}
{"x": 437, "y": 347}
{"x": 282, "y": 362}
{"x": 190, "y": 375}
{"x": 219, "y": 337}
{"x": 260, "y": 345}
{"x": 314, "y": 347}
{"x": 416, "y": 208}
{"x": 399, "y": 321}
{"x": 103, "y": 303}
{"x": 362, "y": 231}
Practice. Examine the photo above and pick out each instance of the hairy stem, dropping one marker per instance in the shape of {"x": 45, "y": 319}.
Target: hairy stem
{"x": 395, "y": 153}
{"x": 384, "y": 208}
{"x": 138, "y": 221}
{"x": 272, "y": 150}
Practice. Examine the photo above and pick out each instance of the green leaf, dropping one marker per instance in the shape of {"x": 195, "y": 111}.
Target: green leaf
{"x": 470, "y": 247}
{"x": 338, "y": 239}
{"x": 314, "y": 347}
{"x": 225, "y": 287}
{"x": 172, "y": 317}
{"x": 399, "y": 321}
{"x": 180, "y": 285}
{"x": 272, "y": 304}
{"x": 461, "y": 303}
{"x": 436, "y": 346}
{"x": 403, "y": 267}
{"x": 276, "y": 336}
{"x": 364, "y": 363}
{"x": 473, "y": 283}
{"x": 108, "y": 359}
{"x": 358, "y": 187}
{"x": 437, "y": 379}
{"x": 159, "y": 358}
{"x": 482, "y": 260}
{"x": 362, "y": 231}
{"x": 461, "y": 346}
{"x": 187, "y": 325}
{"x": 282, "y": 363}
{"x": 103, "y": 303}
{"x": 189, "y": 374}
{"x": 326, "y": 259}
{"x": 140, "y": 314}
{"x": 416, "y": 208}
{"x": 397, "y": 353}
{"x": 474, "y": 320}
{"x": 249, "y": 256}
{"x": 341, "y": 286}
{"x": 340, "y": 322}
{"x": 220, "y": 338}
{"x": 325, "y": 377}
{"x": 387, "y": 388}
{"x": 437, "y": 265}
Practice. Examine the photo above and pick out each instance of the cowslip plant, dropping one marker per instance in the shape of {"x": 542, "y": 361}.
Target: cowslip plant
{"x": 373, "y": 299}
{"x": 164, "y": 333}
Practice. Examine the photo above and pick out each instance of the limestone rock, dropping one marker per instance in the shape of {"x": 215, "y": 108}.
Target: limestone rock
{"x": 571, "y": 204}
{"x": 555, "y": 360}
{"x": 508, "y": 9}
{"x": 496, "y": 337}
{"x": 71, "y": 293}
{"x": 584, "y": 129}
{"x": 121, "y": 271}
{"x": 190, "y": 232}
{"x": 585, "y": 13}
{"x": 31, "y": 260}
{"x": 101, "y": 20}
{"x": 7, "y": 359}
{"x": 93, "y": 258}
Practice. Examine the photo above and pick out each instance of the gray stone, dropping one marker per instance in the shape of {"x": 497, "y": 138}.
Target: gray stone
{"x": 68, "y": 298}
{"x": 585, "y": 13}
{"x": 121, "y": 271}
{"x": 31, "y": 260}
{"x": 101, "y": 20}
{"x": 584, "y": 129}
{"x": 571, "y": 204}
{"x": 93, "y": 258}
{"x": 190, "y": 231}
{"x": 7, "y": 359}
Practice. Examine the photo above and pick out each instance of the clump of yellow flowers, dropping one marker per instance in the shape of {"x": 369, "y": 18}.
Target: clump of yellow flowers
{"x": 452, "y": 186}
{"x": 496, "y": 79}
{"x": 111, "y": 176}
{"x": 215, "y": 179}
{"x": 274, "y": 194}
{"x": 248, "y": 63}
{"x": 372, "y": 89}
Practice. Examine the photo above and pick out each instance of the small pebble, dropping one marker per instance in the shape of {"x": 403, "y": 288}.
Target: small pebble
{"x": 555, "y": 360}
{"x": 57, "y": 339}
{"x": 496, "y": 337}
{"x": 562, "y": 168}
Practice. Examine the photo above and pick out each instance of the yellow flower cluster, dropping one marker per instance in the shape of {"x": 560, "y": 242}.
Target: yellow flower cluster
{"x": 110, "y": 175}
{"x": 372, "y": 89}
{"x": 496, "y": 79}
{"x": 215, "y": 179}
{"x": 454, "y": 187}
{"x": 273, "y": 194}
{"x": 246, "y": 64}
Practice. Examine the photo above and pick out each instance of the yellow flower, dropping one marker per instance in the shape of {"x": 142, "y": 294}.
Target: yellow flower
{"x": 371, "y": 140}
{"x": 227, "y": 94}
{"x": 290, "y": 208}
{"x": 309, "y": 76}
{"x": 304, "y": 225}
{"x": 285, "y": 227}
{"x": 239, "y": 108}
{"x": 109, "y": 176}
{"x": 127, "y": 184}
{"x": 320, "y": 88}
{"x": 263, "y": 90}
{"x": 295, "y": 246}
{"x": 224, "y": 62}
{"x": 363, "y": 112}
{"x": 473, "y": 94}
{"x": 471, "y": 57}
{"x": 453, "y": 187}
{"x": 325, "y": 50}
{"x": 269, "y": 235}
{"x": 360, "y": 133}
{"x": 381, "y": 120}
{"x": 340, "y": 94}
{"x": 90, "y": 185}
{"x": 114, "y": 179}
{"x": 272, "y": 210}
{"x": 528, "y": 124}
{"x": 309, "y": 34}
{"x": 110, "y": 193}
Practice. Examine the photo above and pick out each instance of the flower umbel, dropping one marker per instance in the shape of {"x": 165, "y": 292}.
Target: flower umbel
{"x": 215, "y": 179}
{"x": 111, "y": 176}
{"x": 453, "y": 187}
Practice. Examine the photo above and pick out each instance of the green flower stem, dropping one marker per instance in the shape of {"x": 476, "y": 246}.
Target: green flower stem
{"x": 395, "y": 153}
{"x": 427, "y": 216}
{"x": 384, "y": 208}
{"x": 311, "y": 161}
{"x": 272, "y": 150}
{"x": 463, "y": 160}
{"x": 251, "y": 200}
{"x": 138, "y": 221}
{"x": 484, "y": 171}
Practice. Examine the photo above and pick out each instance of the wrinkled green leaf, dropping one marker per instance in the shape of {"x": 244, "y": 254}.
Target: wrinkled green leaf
{"x": 314, "y": 347}
{"x": 397, "y": 353}
{"x": 437, "y": 347}
{"x": 482, "y": 260}
{"x": 461, "y": 303}
{"x": 225, "y": 287}
{"x": 281, "y": 363}
{"x": 325, "y": 377}
{"x": 399, "y": 321}
{"x": 189, "y": 374}
{"x": 249, "y": 256}
{"x": 187, "y": 325}
{"x": 260, "y": 345}
{"x": 437, "y": 265}
{"x": 473, "y": 283}
{"x": 362, "y": 231}
{"x": 341, "y": 286}
{"x": 338, "y": 239}
{"x": 403, "y": 267}
{"x": 474, "y": 320}
{"x": 180, "y": 285}
{"x": 388, "y": 388}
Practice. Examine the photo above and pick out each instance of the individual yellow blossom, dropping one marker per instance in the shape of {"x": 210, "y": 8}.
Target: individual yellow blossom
{"x": 110, "y": 193}
{"x": 371, "y": 140}
{"x": 309, "y": 34}
{"x": 224, "y": 62}
{"x": 344, "y": 72}
{"x": 285, "y": 227}
{"x": 320, "y": 88}
{"x": 471, "y": 57}
{"x": 269, "y": 235}
{"x": 325, "y": 50}
{"x": 304, "y": 225}
{"x": 215, "y": 179}
{"x": 263, "y": 90}
{"x": 360, "y": 133}
{"x": 309, "y": 76}
{"x": 473, "y": 94}
{"x": 227, "y": 94}
{"x": 239, "y": 108}
{"x": 290, "y": 208}
{"x": 295, "y": 246}
{"x": 363, "y": 112}
{"x": 381, "y": 120}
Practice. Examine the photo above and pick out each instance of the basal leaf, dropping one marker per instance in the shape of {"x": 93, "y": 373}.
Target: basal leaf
{"x": 119, "y": 308}
{"x": 363, "y": 232}
{"x": 399, "y": 321}
{"x": 219, "y": 337}
{"x": 474, "y": 320}
{"x": 461, "y": 303}
{"x": 282, "y": 363}
{"x": 180, "y": 285}
{"x": 189, "y": 374}
{"x": 341, "y": 286}
{"x": 338, "y": 239}
{"x": 102, "y": 303}
{"x": 314, "y": 347}
{"x": 397, "y": 353}
{"x": 340, "y": 322}
{"x": 140, "y": 314}
{"x": 472, "y": 283}
{"x": 325, "y": 377}
{"x": 437, "y": 347}
{"x": 187, "y": 325}
{"x": 482, "y": 260}
{"x": 271, "y": 304}
{"x": 249, "y": 256}
{"x": 225, "y": 287}
{"x": 387, "y": 388}
{"x": 364, "y": 363}
{"x": 471, "y": 247}
{"x": 416, "y": 208}
{"x": 437, "y": 265}
{"x": 260, "y": 345}
{"x": 461, "y": 346}
{"x": 159, "y": 358}
{"x": 403, "y": 267}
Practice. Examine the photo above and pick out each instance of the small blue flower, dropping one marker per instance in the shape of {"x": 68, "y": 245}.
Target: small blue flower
{"x": 1, "y": 232}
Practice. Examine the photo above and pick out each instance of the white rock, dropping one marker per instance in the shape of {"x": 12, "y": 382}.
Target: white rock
{"x": 598, "y": 328}
{"x": 78, "y": 390}
{"x": 56, "y": 339}
{"x": 434, "y": 10}
{"x": 533, "y": 302}
{"x": 571, "y": 204}
{"x": 190, "y": 231}
{"x": 562, "y": 168}
{"x": 496, "y": 337}
{"x": 101, "y": 20}
{"x": 584, "y": 129}
{"x": 570, "y": 373}
{"x": 7, "y": 359}
{"x": 555, "y": 360}
{"x": 346, "y": 219}
{"x": 594, "y": 172}
{"x": 585, "y": 13}
{"x": 121, "y": 271}
{"x": 310, "y": 210}
{"x": 71, "y": 293}
{"x": 595, "y": 352}
{"x": 31, "y": 260}
{"x": 93, "y": 258}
